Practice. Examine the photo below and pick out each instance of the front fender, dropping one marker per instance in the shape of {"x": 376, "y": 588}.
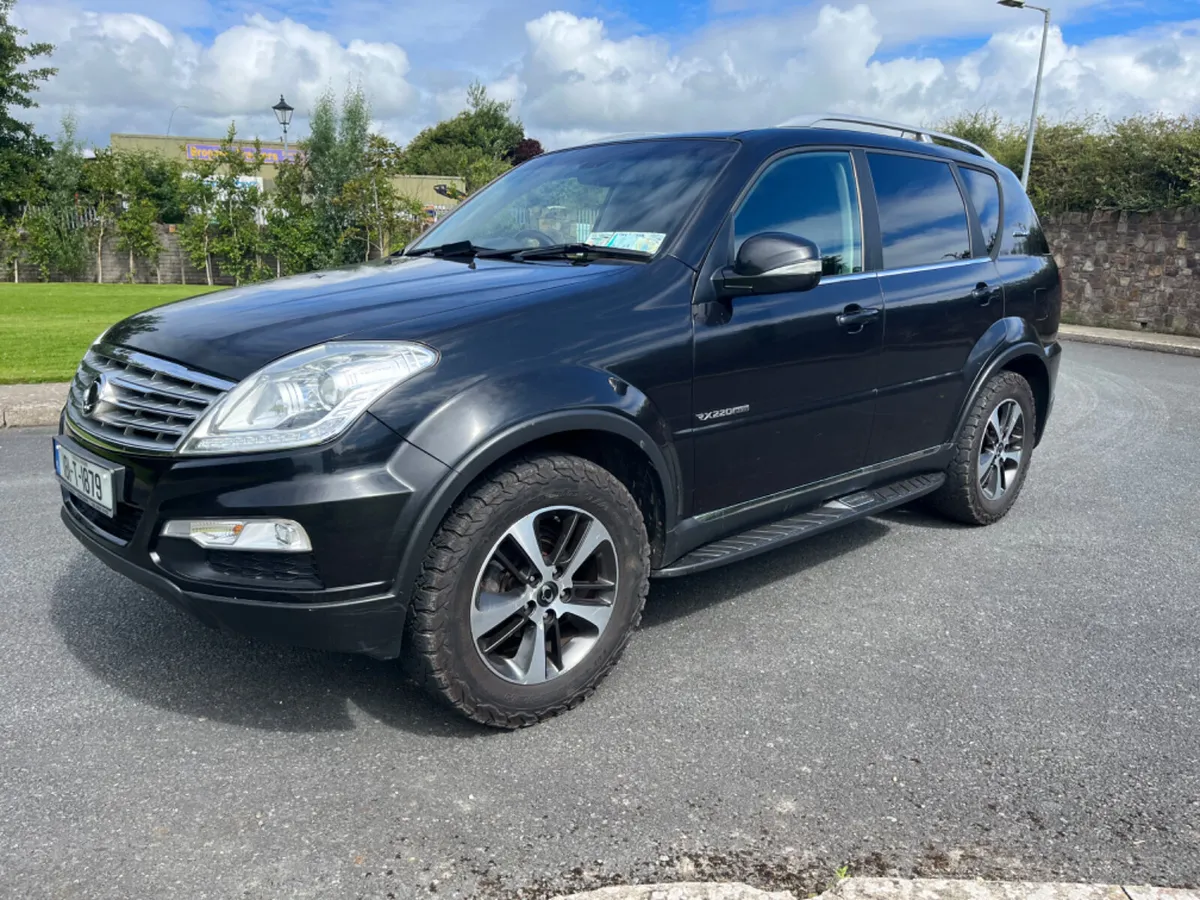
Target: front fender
{"x": 490, "y": 419}
{"x": 1006, "y": 340}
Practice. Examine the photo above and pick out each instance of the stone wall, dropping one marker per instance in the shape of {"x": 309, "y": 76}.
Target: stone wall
{"x": 1130, "y": 270}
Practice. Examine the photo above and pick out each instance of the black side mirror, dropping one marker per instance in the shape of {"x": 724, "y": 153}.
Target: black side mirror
{"x": 771, "y": 263}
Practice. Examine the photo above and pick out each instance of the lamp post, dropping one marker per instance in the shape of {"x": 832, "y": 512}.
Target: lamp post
{"x": 171, "y": 118}
{"x": 283, "y": 113}
{"x": 1037, "y": 86}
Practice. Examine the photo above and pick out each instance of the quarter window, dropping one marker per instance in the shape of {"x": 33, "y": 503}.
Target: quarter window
{"x": 985, "y": 195}
{"x": 813, "y": 196}
{"x": 921, "y": 212}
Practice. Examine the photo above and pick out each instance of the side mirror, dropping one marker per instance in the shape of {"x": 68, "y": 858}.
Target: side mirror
{"x": 771, "y": 263}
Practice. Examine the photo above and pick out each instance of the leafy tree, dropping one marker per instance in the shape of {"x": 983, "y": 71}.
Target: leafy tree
{"x": 292, "y": 235}
{"x": 196, "y": 235}
{"x": 335, "y": 155}
{"x": 56, "y": 238}
{"x": 102, "y": 180}
{"x": 380, "y": 220}
{"x": 21, "y": 148}
{"x": 237, "y": 239}
{"x": 526, "y": 149}
{"x": 478, "y": 144}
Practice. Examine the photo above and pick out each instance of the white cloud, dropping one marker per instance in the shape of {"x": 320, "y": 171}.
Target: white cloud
{"x": 572, "y": 78}
{"x": 127, "y": 72}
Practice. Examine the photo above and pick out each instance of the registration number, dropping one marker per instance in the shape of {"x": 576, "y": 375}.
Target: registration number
{"x": 91, "y": 483}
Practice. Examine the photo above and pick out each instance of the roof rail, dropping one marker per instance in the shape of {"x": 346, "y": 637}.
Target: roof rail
{"x": 622, "y": 136}
{"x": 924, "y": 135}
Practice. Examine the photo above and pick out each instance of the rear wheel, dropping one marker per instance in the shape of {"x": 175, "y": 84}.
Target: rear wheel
{"x": 530, "y": 591}
{"x": 992, "y": 453}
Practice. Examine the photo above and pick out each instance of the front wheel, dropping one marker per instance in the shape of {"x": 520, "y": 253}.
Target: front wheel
{"x": 530, "y": 591}
{"x": 991, "y": 454}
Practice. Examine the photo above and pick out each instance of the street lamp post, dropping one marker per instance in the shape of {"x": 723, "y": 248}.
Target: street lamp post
{"x": 283, "y": 113}
{"x": 1037, "y": 86}
{"x": 171, "y": 118}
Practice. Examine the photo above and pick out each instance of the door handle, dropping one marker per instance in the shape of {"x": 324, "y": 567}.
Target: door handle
{"x": 855, "y": 317}
{"x": 984, "y": 293}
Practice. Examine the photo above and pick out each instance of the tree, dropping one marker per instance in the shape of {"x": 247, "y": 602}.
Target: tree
{"x": 380, "y": 220}
{"x": 136, "y": 231}
{"x": 21, "y": 148}
{"x": 335, "y": 155}
{"x": 102, "y": 180}
{"x": 526, "y": 149}
{"x": 199, "y": 194}
{"x": 478, "y": 144}
{"x": 237, "y": 236}
{"x": 292, "y": 235}
{"x": 55, "y": 227}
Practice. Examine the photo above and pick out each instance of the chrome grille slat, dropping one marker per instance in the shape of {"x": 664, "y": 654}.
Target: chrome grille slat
{"x": 147, "y": 404}
{"x": 141, "y": 404}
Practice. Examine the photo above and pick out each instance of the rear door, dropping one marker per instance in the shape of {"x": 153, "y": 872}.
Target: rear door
{"x": 941, "y": 292}
{"x": 784, "y": 392}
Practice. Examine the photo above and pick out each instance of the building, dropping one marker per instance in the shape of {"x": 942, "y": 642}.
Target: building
{"x": 422, "y": 188}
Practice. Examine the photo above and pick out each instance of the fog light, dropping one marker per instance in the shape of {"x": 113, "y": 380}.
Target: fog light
{"x": 279, "y": 535}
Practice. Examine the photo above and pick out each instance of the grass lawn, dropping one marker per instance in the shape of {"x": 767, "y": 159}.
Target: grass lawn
{"x": 46, "y": 328}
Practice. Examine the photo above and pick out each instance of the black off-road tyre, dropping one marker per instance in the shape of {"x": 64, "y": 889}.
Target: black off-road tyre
{"x": 962, "y": 497}
{"x": 440, "y": 652}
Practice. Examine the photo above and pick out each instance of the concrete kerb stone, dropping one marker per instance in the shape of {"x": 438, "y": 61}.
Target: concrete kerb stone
{"x": 1135, "y": 340}
{"x": 31, "y": 405}
{"x": 893, "y": 889}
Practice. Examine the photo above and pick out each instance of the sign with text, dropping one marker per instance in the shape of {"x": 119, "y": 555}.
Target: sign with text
{"x": 271, "y": 156}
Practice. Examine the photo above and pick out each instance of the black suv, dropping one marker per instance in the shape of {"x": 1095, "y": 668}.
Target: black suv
{"x": 639, "y": 358}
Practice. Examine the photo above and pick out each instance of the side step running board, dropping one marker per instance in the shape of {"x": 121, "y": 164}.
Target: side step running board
{"x": 826, "y": 517}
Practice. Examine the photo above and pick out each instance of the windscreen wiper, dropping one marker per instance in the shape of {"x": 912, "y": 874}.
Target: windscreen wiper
{"x": 572, "y": 249}
{"x": 454, "y": 250}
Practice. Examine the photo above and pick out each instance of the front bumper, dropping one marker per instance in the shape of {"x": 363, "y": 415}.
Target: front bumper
{"x": 357, "y": 499}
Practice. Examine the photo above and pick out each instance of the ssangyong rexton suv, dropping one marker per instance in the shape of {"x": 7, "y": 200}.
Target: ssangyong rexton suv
{"x": 632, "y": 359}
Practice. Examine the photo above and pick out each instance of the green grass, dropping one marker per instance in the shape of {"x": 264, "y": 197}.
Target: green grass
{"x": 46, "y": 328}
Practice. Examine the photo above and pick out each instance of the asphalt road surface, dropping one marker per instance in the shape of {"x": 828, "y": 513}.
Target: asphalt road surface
{"x": 1016, "y": 701}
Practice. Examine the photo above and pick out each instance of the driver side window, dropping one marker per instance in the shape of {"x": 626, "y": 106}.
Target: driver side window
{"x": 813, "y": 196}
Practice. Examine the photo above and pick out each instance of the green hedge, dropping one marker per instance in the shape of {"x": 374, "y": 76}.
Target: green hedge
{"x": 1141, "y": 163}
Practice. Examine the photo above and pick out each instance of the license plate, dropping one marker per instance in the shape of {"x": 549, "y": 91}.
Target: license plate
{"x": 89, "y": 482}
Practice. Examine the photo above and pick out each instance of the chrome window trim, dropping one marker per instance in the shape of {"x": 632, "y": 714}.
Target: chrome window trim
{"x": 908, "y": 270}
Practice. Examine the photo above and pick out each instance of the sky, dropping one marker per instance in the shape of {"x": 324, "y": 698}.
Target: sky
{"x": 580, "y": 69}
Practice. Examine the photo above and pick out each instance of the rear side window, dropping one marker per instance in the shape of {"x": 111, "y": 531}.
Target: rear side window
{"x": 813, "y": 196}
{"x": 922, "y": 216}
{"x": 985, "y": 197}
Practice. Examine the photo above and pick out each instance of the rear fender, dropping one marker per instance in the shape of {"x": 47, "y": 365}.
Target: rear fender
{"x": 1006, "y": 340}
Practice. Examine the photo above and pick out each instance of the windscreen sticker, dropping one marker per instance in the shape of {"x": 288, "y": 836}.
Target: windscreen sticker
{"x": 646, "y": 241}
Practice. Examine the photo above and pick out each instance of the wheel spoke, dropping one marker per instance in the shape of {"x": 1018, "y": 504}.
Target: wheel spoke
{"x": 995, "y": 427}
{"x": 525, "y": 537}
{"x": 1012, "y": 419}
{"x": 491, "y": 610}
{"x": 530, "y": 663}
{"x": 593, "y": 539}
{"x": 1011, "y": 456}
{"x": 569, "y": 527}
{"x": 987, "y": 459}
{"x": 595, "y": 614}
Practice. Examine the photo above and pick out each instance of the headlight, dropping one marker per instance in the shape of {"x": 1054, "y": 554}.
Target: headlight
{"x": 307, "y": 398}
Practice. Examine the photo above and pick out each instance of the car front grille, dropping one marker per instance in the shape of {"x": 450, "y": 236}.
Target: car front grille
{"x": 129, "y": 399}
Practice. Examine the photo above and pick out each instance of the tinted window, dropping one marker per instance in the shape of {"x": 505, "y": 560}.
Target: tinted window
{"x": 985, "y": 197}
{"x": 921, "y": 211}
{"x": 813, "y": 196}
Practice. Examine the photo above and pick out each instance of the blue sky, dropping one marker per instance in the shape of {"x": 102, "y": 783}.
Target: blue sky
{"x": 578, "y": 68}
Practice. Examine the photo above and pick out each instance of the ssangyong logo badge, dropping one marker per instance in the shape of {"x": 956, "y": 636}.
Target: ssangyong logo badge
{"x": 94, "y": 395}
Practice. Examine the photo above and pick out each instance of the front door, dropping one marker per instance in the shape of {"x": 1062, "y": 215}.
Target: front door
{"x": 783, "y": 394}
{"x": 941, "y": 292}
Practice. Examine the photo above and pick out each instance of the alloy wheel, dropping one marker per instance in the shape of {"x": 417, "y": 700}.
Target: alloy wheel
{"x": 545, "y": 595}
{"x": 1001, "y": 450}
